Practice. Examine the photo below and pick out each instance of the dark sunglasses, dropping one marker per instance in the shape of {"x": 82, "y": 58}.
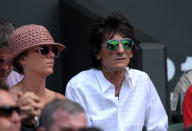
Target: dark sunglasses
{"x": 44, "y": 50}
{"x": 7, "y": 110}
{"x": 114, "y": 44}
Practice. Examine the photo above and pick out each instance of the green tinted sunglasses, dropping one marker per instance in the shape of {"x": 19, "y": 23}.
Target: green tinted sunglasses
{"x": 114, "y": 44}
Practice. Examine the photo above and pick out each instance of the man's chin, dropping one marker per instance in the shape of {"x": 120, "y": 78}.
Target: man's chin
{"x": 120, "y": 66}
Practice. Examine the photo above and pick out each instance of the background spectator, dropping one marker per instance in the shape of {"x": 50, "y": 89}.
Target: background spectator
{"x": 62, "y": 115}
{"x": 8, "y": 76}
{"x": 9, "y": 112}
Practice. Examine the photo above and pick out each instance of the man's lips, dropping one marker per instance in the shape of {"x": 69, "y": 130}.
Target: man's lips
{"x": 119, "y": 58}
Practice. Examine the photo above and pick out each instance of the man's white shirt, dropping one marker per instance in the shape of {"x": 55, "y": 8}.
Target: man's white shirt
{"x": 138, "y": 103}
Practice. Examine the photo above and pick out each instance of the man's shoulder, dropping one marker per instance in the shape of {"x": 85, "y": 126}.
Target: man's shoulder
{"x": 187, "y": 73}
{"x": 14, "y": 78}
{"x": 136, "y": 72}
{"x": 86, "y": 73}
{"x": 186, "y": 76}
{"x": 84, "y": 76}
{"x": 15, "y": 74}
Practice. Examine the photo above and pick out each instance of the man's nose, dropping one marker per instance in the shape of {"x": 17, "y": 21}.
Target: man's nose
{"x": 15, "y": 117}
{"x": 120, "y": 48}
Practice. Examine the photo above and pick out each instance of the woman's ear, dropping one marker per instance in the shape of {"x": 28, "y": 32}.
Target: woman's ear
{"x": 22, "y": 60}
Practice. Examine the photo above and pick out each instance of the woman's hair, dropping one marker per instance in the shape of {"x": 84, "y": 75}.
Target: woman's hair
{"x": 18, "y": 67}
{"x": 104, "y": 28}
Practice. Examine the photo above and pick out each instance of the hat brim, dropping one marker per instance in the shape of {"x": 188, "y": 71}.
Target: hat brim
{"x": 61, "y": 47}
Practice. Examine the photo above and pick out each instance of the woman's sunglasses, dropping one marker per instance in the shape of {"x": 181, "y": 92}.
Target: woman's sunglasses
{"x": 114, "y": 44}
{"x": 7, "y": 110}
{"x": 44, "y": 50}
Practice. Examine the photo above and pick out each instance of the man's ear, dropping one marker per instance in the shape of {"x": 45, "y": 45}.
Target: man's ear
{"x": 98, "y": 57}
{"x": 131, "y": 54}
{"x": 41, "y": 129}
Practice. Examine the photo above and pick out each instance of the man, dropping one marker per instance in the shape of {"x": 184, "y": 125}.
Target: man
{"x": 184, "y": 82}
{"x": 114, "y": 96}
{"x": 6, "y": 74}
{"x": 9, "y": 117}
{"x": 62, "y": 115}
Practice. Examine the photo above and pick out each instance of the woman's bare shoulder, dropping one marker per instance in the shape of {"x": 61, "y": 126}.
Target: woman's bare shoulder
{"x": 59, "y": 95}
{"x": 56, "y": 94}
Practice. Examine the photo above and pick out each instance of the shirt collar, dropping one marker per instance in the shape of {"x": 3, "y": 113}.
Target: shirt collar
{"x": 105, "y": 84}
{"x": 129, "y": 77}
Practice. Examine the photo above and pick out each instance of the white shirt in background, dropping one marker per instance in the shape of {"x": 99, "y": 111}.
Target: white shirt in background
{"x": 14, "y": 78}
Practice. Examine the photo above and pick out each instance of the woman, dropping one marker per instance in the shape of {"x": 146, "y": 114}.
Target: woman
{"x": 116, "y": 97}
{"x": 33, "y": 51}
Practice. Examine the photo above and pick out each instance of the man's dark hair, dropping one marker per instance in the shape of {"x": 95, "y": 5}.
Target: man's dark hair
{"x": 46, "y": 118}
{"x": 104, "y": 28}
{"x": 6, "y": 29}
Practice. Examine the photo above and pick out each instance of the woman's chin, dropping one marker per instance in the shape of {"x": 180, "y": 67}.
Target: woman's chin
{"x": 48, "y": 72}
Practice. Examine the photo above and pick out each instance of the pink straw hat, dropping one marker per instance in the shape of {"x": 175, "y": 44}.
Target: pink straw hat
{"x": 27, "y": 37}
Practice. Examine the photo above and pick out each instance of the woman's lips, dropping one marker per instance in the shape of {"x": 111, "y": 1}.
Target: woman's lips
{"x": 50, "y": 63}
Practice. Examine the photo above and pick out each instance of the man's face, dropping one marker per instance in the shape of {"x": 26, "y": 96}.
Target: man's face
{"x": 63, "y": 121}
{"x": 117, "y": 59}
{"x": 4, "y": 68}
{"x": 8, "y": 121}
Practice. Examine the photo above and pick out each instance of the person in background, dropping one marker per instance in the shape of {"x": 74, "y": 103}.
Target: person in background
{"x": 114, "y": 96}
{"x": 187, "y": 108}
{"x": 62, "y": 115}
{"x": 7, "y": 75}
{"x": 33, "y": 53}
{"x": 184, "y": 82}
{"x": 9, "y": 112}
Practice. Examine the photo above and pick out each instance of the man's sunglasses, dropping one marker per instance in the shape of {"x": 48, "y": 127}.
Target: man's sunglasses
{"x": 7, "y": 110}
{"x": 45, "y": 50}
{"x": 114, "y": 44}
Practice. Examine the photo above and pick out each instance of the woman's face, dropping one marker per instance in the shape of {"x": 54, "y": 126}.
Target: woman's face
{"x": 116, "y": 59}
{"x": 40, "y": 60}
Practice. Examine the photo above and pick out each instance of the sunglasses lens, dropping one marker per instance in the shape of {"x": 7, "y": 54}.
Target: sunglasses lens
{"x": 127, "y": 43}
{"x": 112, "y": 44}
{"x": 55, "y": 51}
{"x": 17, "y": 110}
{"x": 8, "y": 110}
{"x": 44, "y": 50}
{"x": 5, "y": 112}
